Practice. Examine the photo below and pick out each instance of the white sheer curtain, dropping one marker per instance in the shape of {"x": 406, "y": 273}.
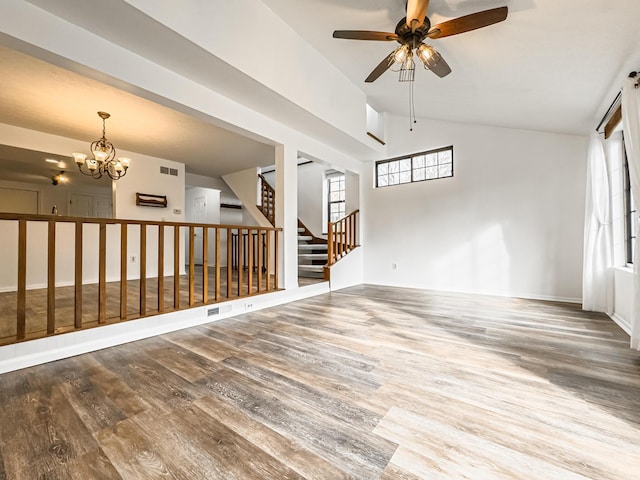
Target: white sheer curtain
{"x": 597, "y": 287}
{"x": 631, "y": 128}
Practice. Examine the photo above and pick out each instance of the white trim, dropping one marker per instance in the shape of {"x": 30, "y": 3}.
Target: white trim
{"x": 36, "y": 352}
{"x": 527, "y": 296}
{"x": 621, "y": 322}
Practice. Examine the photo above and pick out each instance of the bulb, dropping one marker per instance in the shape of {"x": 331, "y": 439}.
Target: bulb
{"x": 429, "y": 57}
{"x": 100, "y": 155}
{"x": 79, "y": 158}
{"x": 401, "y": 54}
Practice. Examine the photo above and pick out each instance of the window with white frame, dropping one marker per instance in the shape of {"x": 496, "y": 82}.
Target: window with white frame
{"x": 336, "y": 197}
{"x": 630, "y": 214}
{"x": 417, "y": 167}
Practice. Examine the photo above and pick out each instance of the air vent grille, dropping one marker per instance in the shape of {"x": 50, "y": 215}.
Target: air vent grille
{"x": 213, "y": 311}
{"x": 169, "y": 171}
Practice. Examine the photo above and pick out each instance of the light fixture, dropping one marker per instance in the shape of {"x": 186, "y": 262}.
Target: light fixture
{"x": 58, "y": 178}
{"x": 104, "y": 157}
{"x": 429, "y": 57}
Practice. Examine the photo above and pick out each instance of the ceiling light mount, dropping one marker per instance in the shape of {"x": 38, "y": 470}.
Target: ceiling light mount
{"x": 104, "y": 157}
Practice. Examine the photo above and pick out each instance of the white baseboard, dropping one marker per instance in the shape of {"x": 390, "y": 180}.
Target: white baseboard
{"x": 528, "y": 296}
{"x": 622, "y": 323}
{"x": 43, "y": 350}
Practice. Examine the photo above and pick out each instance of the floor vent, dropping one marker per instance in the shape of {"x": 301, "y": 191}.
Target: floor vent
{"x": 213, "y": 311}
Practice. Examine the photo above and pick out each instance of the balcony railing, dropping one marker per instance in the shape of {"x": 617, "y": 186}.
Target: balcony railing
{"x": 67, "y": 273}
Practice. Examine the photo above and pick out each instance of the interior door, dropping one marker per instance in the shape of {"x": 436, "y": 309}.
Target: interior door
{"x": 81, "y": 205}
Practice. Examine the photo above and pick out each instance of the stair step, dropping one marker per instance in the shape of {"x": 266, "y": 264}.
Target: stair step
{"x": 300, "y": 230}
{"x": 311, "y": 268}
{"x": 313, "y": 256}
{"x": 304, "y": 238}
{"x": 312, "y": 246}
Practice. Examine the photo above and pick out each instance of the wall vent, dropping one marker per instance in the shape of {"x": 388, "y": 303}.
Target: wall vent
{"x": 169, "y": 171}
{"x": 213, "y": 311}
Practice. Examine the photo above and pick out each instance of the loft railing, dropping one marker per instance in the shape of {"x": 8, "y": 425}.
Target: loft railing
{"x": 267, "y": 200}
{"x": 342, "y": 237}
{"x": 90, "y": 276}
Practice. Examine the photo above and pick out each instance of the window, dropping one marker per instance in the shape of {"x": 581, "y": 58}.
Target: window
{"x": 415, "y": 168}
{"x": 335, "y": 191}
{"x": 630, "y": 214}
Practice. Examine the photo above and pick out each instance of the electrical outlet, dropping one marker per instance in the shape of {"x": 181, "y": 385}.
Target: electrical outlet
{"x": 394, "y": 266}
{"x": 132, "y": 259}
{"x": 248, "y": 306}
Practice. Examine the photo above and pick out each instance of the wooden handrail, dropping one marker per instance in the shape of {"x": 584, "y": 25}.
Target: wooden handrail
{"x": 342, "y": 237}
{"x": 267, "y": 200}
{"x": 109, "y": 298}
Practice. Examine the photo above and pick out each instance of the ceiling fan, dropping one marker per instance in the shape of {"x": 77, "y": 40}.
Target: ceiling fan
{"x": 411, "y": 32}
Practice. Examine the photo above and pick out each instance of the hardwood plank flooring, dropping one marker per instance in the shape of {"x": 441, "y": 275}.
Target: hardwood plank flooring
{"x": 37, "y": 305}
{"x": 365, "y": 383}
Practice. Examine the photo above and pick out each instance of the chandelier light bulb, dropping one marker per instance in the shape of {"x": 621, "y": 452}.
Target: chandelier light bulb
{"x": 104, "y": 157}
{"x": 401, "y": 53}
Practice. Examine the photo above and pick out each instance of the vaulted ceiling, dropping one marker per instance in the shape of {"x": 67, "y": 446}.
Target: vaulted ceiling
{"x": 551, "y": 66}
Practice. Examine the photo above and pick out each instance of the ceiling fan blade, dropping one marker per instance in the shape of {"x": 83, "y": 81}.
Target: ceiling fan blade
{"x": 382, "y": 67}
{"x": 468, "y": 22}
{"x": 442, "y": 69}
{"x": 416, "y": 11}
{"x": 365, "y": 35}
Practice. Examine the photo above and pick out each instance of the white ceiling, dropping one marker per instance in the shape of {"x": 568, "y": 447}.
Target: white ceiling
{"x": 47, "y": 98}
{"x": 553, "y": 65}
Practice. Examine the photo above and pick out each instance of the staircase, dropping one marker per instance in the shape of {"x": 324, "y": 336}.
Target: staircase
{"x": 312, "y": 253}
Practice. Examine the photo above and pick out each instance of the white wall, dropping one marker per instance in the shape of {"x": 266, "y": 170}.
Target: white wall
{"x": 58, "y": 195}
{"x": 510, "y": 222}
{"x": 311, "y": 195}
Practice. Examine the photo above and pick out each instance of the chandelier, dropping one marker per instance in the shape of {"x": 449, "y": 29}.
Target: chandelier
{"x": 104, "y": 157}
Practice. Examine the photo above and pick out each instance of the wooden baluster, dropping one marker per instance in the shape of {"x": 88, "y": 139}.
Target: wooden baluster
{"x": 161, "y": 268}
{"x": 249, "y": 261}
{"x": 230, "y": 248}
{"x": 176, "y": 267}
{"x": 276, "y": 256}
{"x": 51, "y": 278}
{"x": 268, "y": 261}
{"x": 21, "y": 327}
{"x": 217, "y": 297}
{"x": 240, "y": 261}
{"x": 205, "y": 265}
{"x": 330, "y": 244}
{"x": 260, "y": 258}
{"x": 143, "y": 270}
{"x": 102, "y": 274}
{"x": 123, "y": 271}
{"x": 77, "y": 278}
{"x": 192, "y": 268}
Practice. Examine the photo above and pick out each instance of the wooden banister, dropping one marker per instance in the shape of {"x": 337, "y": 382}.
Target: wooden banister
{"x": 256, "y": 248}
{"x": 267, "y": 200}
{"x": 342, "y": 237}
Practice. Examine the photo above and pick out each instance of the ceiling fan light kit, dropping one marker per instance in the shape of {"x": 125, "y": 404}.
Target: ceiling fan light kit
{"x": 411, "y": 32}
{"x": 104, "y": 157}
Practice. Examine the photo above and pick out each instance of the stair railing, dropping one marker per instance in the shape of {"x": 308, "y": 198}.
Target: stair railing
{"x": 342, "y": 237}
{"x": 267, "y": 200}
{"x": 86, "y": 261}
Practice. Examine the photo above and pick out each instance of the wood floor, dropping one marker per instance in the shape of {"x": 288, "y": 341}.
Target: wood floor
{"x": 365, "y": 383}
{"x": 36, "y": 300}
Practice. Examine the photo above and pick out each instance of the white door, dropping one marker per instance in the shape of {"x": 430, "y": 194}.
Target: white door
{"x": 81, "y": 205}
{"x": 199, "y": 216}
{"x": 90, "y": 206}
